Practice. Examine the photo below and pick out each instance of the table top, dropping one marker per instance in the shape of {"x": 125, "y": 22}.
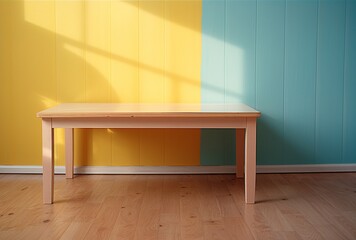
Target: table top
{"x": 77, "y": 110}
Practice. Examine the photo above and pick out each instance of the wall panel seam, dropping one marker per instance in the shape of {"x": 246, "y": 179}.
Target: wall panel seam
{"x": 284, "y": 71}
{"x": 110, "y": 78}
{"x": 344, "y": 85}
{"x": 55, "y": 51}
{"x": 85, "y": 52}
{"x": 284, "y": 76}
{"x": 256, "y": 23}
{"x": 225, "y": 30}
{"x": 316, "y": 81}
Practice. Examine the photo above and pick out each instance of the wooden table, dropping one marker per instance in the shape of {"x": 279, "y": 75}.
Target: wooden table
{"x": 111, "y": 115}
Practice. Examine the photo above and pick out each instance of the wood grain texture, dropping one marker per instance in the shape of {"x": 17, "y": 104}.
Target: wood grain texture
{"x": 148, "y": 110}
{"x": 288, "y": 206}
{"x": 69, "y": 152}
{"x": 240, "y": 152}
{"x": 96, "y": 116}
{"x": 47, "y": 160}
{"x": 250, "y": 161}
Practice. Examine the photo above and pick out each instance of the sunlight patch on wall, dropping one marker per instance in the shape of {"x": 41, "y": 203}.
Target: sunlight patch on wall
{"x": 235, "y": 68}
{"x": 36, "y": 12}
{"x": 73, "y": 50}
{"x": 183, "y": 51}
{"x": 47, "y": 102}
{"x": 97, "y": 22}
{"x": 117, "y": 51}
{"x": 70, "y": 20}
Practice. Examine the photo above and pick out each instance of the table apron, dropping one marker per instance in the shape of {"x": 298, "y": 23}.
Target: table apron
{"x": 150, "y": 122}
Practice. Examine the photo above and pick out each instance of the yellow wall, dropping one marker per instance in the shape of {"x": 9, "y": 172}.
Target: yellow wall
{"x": 98, "y": 51}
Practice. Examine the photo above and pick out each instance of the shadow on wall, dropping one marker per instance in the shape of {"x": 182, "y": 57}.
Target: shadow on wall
{"x": 47, "y": 72}
{"x": 62, "y": 61}
{"x": 163, "y": 10}
{"x": 80, "y": 61}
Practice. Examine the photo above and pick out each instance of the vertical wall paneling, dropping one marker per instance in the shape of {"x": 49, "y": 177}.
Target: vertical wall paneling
{"x": 98, "y": 146}
{"x": 228, "y": 69}
{"x": 6, "y": 12}
{"x": 70, "y": 50}
{"x": 182, "y": 58}
{"x": 182, "y": 147}
{"x": 330, "y": 81}
{"x": 349, "y": 126}
{"x": 212, "y": 150}
{"x": 152, "y": 75}
{"x": 213, "y": 52}
{"x": 301, "y": 73}
{"x": 33, "y": 75}
{"x": 97, "y": 88}
{"x": 125, "y": 147}
{"x": 124, "y": 51}
{"x": 294, "y": 60}
{"x": 151, "y": 51}
{"x": 70, "y": 64}
{"x": 152, "y": 147}
{"x": 270, "y": 80}
{"x": 240, "y": 52}
{"x": 299, "y": 84}
{"x": 240, "y": 64}
{"x": 80, "y": 147}
{"x": 182, "y": 51}
{"x": 124, "y": 76}
{"x": 97, "y": 43}
{"x": 217, "y": 147}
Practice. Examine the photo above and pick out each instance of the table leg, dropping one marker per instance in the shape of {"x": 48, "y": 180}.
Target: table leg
{"x": 250, "y": 161}
{"x": 47, "y": 160}
{"x": 69, "y": 152}
{"x": 240, "y": 152}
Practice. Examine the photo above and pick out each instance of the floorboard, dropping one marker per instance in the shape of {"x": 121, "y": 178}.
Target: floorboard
{"x": 180, "y": 207}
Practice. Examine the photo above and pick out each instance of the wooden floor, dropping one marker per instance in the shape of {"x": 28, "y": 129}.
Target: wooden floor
{"x": 289, "y": 206}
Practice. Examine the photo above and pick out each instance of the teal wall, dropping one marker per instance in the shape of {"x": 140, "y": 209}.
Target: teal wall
{"x": 293, "y": 60}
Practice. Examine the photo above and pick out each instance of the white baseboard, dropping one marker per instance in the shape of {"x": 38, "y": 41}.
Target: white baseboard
{"x": 155, "y": 170}
{"x": 306, "y": 168}
{"x": 124, "y": 169}
{"x": 182, "y": 169}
